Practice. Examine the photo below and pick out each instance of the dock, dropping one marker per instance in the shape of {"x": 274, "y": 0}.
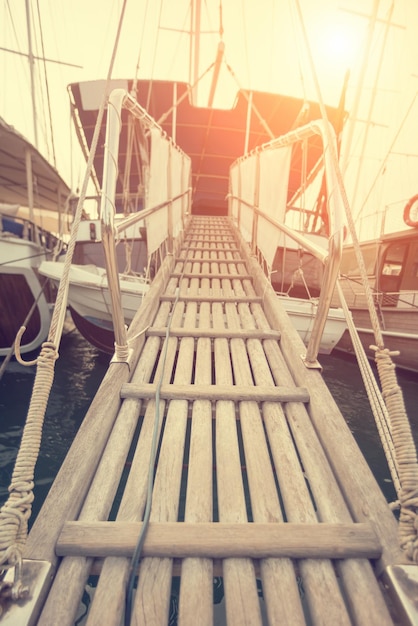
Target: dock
{"x": 263, "y": 511}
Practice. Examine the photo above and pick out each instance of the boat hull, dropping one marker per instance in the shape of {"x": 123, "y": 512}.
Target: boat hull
{"x": 90, "y": 304}
{"x": 22, "y": 292}
{"x": 400, "y": 334}
{"x": 302, "y": 313}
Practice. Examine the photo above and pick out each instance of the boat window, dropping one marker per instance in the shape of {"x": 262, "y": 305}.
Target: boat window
{"x": 394, "y": 259}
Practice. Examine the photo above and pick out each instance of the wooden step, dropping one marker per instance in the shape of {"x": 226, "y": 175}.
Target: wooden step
{"x": 197, "y": 247}
{"x": 211, "y": 275}
{"x": 215, "y": 392}
{"x": 215, "y": 333}
{"x": 220, "y": 540}
{"x": 211, "y": 298}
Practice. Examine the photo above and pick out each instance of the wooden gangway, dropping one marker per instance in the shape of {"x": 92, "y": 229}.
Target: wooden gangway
{"x": 260, "y": 490}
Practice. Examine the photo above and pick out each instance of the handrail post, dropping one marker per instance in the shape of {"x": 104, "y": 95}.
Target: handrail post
{"x": 170, "y": 204}
{"x": 256, "y": 205}
{"x": 107, "y": 214}
{"x": 332, "y": 258}
{"x": 118, "y": 99}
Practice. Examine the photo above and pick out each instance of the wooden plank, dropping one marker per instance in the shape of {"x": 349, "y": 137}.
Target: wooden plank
{"x": 210, "y": 275}
{"x": 221, "y": 540}
{"x": 280, "y": 588}
{"x": 298, "y": 506}
{"x": 365, "y": 499}
{"x": 211, "y": 298}
{"x": 64, "y": 598}
{"x": 152, "y": 597}
{"x": 241, "y": 596}
{"x": 215, "y": 392}
{"x": 109, "y": 597}
{"x": 228, "y": 333}
{"x": 329, "y": 500}
{"x": 207, "y": 249}
{"x": 196, "y": 587}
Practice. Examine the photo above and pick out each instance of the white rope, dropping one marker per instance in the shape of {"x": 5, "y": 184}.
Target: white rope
{"x": 374, "y": 395}
{"x": 404, "y": 445}
{"x": 16, "y": 511}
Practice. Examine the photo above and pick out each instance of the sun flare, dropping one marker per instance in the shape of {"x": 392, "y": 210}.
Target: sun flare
{"x": 335, "y": 41}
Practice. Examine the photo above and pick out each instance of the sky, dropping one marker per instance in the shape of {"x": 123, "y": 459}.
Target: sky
{"x": 260, "y": 39}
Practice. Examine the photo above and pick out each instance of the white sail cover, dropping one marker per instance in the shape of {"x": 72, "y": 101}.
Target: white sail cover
{"x": 261, "y": 180}
{"x": 168, "y": 178}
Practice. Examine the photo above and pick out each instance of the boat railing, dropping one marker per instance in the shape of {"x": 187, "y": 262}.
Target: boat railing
{"x": 22, "y": 228}
{"x": 260, "y": 214}
{"x": 166, "y": 199}
{"x": 355, "y": 295}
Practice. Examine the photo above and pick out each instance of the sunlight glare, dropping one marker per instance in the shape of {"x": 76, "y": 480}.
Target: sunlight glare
{"x": 335, "y": 42}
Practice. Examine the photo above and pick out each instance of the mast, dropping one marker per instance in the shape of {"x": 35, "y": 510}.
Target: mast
{"x": 194, "y": 60}
{"x": 32, "y": 77}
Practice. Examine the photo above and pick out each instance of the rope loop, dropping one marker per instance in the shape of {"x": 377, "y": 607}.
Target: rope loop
{"x": 19, "y": 359}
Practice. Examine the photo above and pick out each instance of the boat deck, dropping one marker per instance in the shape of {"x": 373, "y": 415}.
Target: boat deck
{"x": 263, "y": 508}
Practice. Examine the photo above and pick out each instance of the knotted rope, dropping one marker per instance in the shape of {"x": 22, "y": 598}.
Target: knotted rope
{"x": 15, "y": 513}
{"x": 406, "y": 455}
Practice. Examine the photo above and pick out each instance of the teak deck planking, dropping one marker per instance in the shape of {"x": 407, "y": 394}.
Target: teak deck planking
{"x": 257, "y": 477}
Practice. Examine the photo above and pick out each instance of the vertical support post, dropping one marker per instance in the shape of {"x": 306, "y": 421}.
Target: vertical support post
{"x": 256, "y": 204}
{"x": 174, "y": 114}
{"x": 170, "y": 204}
{"x": 29, "y": 185}
{"x": 248, "y": 123}
{"x": 239, "y": 198}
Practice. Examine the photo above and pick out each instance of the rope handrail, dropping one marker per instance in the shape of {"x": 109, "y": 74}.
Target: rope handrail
{"x": 120, "y": 99}
{"x": 331, "y": 257}
{"x": 15, "y": 513}
{"x": 401, "y": 431}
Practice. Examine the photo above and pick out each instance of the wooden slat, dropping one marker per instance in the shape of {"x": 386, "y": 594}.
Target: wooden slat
{"x": 152, "y": 598}
{"x": 221, "y": 540}
{"x": 228, "y": 333}
{"x": 204, "y": 249}
{"x": 111, "y": 588}
{"x": 210, "y": 298}
{"x": 280, "y": 586}
{"x": 294, "y": 490}
{"x": 241, "y": 596}
{"x": 211, "y": 275}
{"x": 196, "y": 589}
{"x": 366, "y": 602}
{"x": 215, "y": 392}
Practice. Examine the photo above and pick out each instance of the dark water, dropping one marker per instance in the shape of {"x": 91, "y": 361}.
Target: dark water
{"x": 78, "y": 373}
{"x": 344, "y": 380}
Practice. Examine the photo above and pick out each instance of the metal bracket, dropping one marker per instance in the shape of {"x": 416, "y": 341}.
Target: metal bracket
{"x": 312, "y": 365}
{"x": 36, "y": 577}
{"x": 401, "y": 582}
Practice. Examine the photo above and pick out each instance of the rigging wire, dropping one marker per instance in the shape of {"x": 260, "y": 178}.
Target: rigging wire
{"x": 154, "y": 57}
{"x": 48, "y": 99}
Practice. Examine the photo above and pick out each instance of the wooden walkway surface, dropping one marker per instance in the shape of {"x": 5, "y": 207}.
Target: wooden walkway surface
{"x": 260, "y": 489}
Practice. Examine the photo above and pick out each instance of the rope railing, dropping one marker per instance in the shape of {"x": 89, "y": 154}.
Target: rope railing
{"x": 15, "y": 513}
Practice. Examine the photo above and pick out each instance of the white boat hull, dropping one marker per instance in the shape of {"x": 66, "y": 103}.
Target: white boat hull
{"x": 302, "y": 313}
{"x": 89, "y": 296}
